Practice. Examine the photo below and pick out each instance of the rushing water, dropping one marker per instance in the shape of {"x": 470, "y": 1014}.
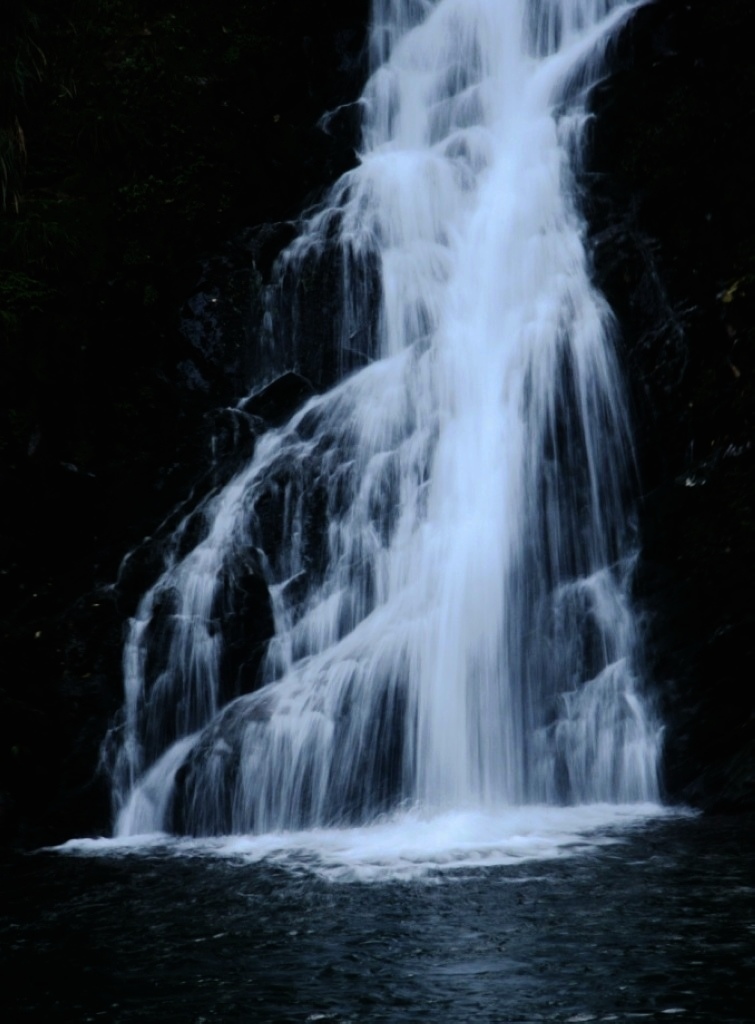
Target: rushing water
{"x": 445, "y": 534}
{"x": 656, "y": 925}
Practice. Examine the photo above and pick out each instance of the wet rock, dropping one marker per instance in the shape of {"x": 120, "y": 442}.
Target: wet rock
{"x": 276, "y": 403}
{"x": 243, "y": 611}
{"x": 672, "y": 217}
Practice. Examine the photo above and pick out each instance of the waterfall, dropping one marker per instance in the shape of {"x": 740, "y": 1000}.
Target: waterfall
{"x": 442, "y": 540}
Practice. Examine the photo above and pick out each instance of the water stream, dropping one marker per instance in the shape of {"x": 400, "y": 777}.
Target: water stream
{"x": 446, "y": 535}
{"x": 656, "y": 925}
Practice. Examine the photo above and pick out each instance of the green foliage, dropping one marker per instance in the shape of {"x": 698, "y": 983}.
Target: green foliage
{"x": 134, "y": 136}
{"x": 21, "y": 295}
{"x": 12, "y": 162}
{"x": 157, "y": 124}
{"x": 21, "y": 65}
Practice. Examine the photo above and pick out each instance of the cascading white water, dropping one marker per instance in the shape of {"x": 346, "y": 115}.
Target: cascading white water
{"x": 445, "y": 533}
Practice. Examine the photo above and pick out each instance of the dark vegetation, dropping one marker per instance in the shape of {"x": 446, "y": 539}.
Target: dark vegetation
{"x": 150, "y": 157}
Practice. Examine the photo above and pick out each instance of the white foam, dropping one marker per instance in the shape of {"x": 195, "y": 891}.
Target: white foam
{"x": 406, "y": 846}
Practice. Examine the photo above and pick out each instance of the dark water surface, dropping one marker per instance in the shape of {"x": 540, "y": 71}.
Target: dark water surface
{"x": 659, "y": 927}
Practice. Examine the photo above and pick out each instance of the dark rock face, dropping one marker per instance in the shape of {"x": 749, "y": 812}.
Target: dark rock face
{"x": 673, "y": 214}
{"x": 277, "y": 402}
{"x": 52, "y": 733}
{"x": 244, "y": 615}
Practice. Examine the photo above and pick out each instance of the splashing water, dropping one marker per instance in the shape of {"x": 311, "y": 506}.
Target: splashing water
{"x": 445, "y": 534}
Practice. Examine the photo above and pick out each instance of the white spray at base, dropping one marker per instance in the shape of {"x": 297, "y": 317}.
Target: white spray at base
{"x": 445, "y": 534}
